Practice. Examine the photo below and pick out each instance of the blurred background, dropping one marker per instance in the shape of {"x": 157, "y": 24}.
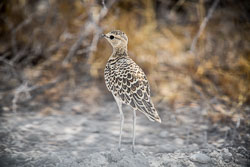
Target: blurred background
{"x": 194, "y": 52}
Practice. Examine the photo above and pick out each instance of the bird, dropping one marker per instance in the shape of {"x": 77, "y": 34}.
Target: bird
{"x": 127, "y": 82}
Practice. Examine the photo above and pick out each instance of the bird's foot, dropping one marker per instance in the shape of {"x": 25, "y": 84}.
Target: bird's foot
{"x": 133, "y": 150}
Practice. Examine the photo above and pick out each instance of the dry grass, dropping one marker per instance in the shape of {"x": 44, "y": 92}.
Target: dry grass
{"x": 217, "y": 72}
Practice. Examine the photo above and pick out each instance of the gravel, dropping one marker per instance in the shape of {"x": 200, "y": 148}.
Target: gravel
{"x": 90, "y": 139}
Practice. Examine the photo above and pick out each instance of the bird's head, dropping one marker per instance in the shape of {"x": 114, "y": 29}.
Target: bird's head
{"x": 117, "y": 39}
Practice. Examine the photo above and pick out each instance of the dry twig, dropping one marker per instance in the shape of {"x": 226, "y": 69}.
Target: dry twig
{"x": 13, "y": 38}
{"x": 203, "y": 25}
{"x": 91, "y": 24}
{"x": 26, "y": 90}
{"x": 22, "y": 89}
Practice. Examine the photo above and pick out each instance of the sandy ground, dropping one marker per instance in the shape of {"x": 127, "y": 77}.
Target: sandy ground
{"x": 75, "y": 137}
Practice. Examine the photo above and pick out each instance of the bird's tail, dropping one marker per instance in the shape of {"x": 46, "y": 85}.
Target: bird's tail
{"x": 154, "y": 116}
{"x": 149, "y": 110}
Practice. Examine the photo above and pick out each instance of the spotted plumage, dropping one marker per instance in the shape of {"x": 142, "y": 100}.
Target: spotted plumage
{"x": 126, "y": 80}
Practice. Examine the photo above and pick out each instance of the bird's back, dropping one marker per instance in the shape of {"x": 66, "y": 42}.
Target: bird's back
{"x": 126, "y": 80}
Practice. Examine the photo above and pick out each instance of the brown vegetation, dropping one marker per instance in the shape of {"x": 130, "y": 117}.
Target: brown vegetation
{"x": 54, "y": 45}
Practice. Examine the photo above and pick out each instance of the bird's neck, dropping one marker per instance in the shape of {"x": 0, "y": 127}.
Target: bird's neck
{"x": 120, "y": 51}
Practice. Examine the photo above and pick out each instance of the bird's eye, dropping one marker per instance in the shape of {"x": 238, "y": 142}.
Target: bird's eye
{"x": 111, "y": 37}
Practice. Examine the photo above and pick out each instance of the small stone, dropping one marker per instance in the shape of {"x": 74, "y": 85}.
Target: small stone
{"x": 242, "y": 150}
{"x": 200, "y": 157}
{"x": 179, "y": 141}
{"x": 215, "y": 154}
{"x": 227, "y": 156}
{"x": 115, "y": 156}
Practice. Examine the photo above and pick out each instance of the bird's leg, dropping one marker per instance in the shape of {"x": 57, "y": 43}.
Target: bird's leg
{"x": 119, "y": 103}
{"x": 134, "y": 123}
{"x": 121, "y": 126}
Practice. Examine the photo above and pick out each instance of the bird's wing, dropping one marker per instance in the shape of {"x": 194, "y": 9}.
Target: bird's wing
{"x": 131, "y": 85}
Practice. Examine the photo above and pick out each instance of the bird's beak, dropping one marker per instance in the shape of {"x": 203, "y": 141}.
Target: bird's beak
{"x": 103, "y": 35}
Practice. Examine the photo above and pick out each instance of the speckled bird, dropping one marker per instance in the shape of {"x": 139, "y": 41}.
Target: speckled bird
{"x": 127, "y": 82}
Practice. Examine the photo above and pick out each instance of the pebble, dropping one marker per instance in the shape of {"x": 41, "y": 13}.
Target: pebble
{"x": 200, "y": 157}
{"x": 227, "y": 156}
{"x": 179, "y": 141}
